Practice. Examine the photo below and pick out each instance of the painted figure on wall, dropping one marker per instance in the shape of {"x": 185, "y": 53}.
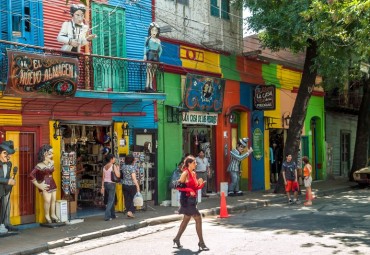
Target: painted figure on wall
{"x": 236, "y": 156}
{"x": 6, "y": 184}
{"x": 42, "y": 178}
{"x": 73, "y": 33}
{"x": 152, "y": 52}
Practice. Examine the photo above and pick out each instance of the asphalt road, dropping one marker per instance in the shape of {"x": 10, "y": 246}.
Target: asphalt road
{"x": 337, "y": 224}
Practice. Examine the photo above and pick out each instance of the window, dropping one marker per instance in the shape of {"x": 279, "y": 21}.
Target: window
{"x": 225, "y": 9}
{"x": 215, "y": 10}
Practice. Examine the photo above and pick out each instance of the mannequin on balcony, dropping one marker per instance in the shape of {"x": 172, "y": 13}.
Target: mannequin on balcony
{"x": 152, "y": 52}
{"x": 73, "y": 33}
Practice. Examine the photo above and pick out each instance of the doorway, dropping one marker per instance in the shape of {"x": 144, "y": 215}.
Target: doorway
{"x": 345, "y": 148}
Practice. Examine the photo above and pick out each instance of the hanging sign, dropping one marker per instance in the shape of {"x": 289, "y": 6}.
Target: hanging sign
{"x": 204, "y": 93}
{"x": 35, "y": 75}
{"x": 257, "y": 144}
{"x": 199, "y": 118}
{"x": 264, "y": 98}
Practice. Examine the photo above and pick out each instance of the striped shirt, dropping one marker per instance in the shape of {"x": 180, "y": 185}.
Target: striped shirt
{"x": 235, "y": 160}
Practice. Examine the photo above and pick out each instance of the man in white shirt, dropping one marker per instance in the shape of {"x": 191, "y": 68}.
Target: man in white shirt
{"x": 202, "y": 170}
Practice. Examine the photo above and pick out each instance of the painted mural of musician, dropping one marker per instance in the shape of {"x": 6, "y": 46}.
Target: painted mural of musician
{"x": 152, "y": 52}
{"x": 73, "y": 33}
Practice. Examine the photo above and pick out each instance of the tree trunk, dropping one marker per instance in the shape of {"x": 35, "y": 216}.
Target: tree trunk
{"x": 300, "y": 109}
{"x": 362, "y": 135}
{"x": 301, "y": 103}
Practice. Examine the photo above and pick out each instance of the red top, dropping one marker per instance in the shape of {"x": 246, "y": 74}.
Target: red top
{"x": 45, "y": 174}
{"x": 191, "y": 183}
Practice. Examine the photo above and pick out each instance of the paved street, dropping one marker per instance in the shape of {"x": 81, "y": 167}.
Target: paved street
{"x": 336, "y": 224}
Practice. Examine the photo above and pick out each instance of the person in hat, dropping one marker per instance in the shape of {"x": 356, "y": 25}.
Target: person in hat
{"x": 42, "y": 178}
{"x": 152, "y": 52}
{"x": 6, "y": 184}
{"x": 234, "y": 167}
{"x": 73, "y": 33}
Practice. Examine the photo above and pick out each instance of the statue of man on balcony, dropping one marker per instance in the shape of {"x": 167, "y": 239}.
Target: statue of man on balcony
{"x": 152, "y": 52}
{"x": 73, "y": 33}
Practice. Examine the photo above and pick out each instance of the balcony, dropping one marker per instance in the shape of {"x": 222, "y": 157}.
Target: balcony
{"x": 96, "y": 73}
{"x": 348, "y": 101}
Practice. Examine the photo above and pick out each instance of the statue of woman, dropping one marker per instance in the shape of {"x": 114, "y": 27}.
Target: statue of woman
{"x": 42, "y": 178}
{"x": 152, "y": 52}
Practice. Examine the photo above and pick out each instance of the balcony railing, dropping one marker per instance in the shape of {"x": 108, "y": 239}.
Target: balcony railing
{"x": 96, "y": 73}
{"x": 345, "y": 100}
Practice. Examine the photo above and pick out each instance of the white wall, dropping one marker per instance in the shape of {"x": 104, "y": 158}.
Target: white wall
{"x": 194, "y": 24}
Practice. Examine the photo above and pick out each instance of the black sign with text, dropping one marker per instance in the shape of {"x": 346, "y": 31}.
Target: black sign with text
{"x": 264, "y": 98}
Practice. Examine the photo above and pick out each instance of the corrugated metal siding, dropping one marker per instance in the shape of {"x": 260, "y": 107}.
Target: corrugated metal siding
{"x": 55, "y": 13}
{"x": 171, "y": 54}
{"x": 138, "y": 19}
{"x": 136, "y": 122}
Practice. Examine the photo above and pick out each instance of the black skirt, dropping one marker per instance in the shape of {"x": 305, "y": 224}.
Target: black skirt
{"x": 188, "y": 205}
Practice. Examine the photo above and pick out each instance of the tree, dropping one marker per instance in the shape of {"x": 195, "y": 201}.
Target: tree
{"x": 334, "y": 35}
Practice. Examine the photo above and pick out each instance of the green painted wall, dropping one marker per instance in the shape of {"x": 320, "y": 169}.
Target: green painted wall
{"x": 169, "y": 136}
{"x": 270, "y": 75}
{"x": 228, "y": 67}
{"x": 316, "y": 111}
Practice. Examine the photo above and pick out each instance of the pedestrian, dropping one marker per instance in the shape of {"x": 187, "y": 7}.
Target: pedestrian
{"x": 276, "y": 164}
{"x": 188, "y": 187}
{"x": 307, "y": 170}
{"x": 203, "y": 170}
{"x": 42, "y": 178}
{"x": 234, "y": 166}
{"x": 299, "y": 167}
{"x": 73, "y": 33}
{"x": 109, "y": 186}
{"x": 6, "y": 184}
{"x": 289, "y": 173}
{"x": 130, "y": 184}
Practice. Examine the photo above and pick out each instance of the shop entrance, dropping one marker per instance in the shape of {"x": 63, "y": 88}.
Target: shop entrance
{"x": 196, "y": 138}
{"x": 83, "y": 148}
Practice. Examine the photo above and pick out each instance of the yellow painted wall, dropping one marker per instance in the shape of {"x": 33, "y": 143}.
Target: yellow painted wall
{"x": 120, "y": 206}
{"x": 204, "y": 60}
{"x": 288, "y": 78}
{"x": 244, "y": 132}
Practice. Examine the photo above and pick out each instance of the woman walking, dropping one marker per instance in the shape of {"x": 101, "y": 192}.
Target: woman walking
{"x": 188, "y": 186}
{"x": 307, "y": 180}
{"x": 109, "y": 186}
{"x": 130, "y": 185}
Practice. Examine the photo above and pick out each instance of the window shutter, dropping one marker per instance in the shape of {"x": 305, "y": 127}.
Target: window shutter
{"x": 215, "y": 10}
{"x": 225, "y": 9}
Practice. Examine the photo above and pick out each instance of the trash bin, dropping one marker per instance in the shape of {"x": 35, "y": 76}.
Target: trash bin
{"x": 62, "y": 210}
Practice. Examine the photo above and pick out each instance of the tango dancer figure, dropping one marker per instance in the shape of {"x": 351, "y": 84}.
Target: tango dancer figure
{"x": 42, "y": 178}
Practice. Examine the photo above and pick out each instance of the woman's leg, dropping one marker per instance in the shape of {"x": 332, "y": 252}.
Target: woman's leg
{"x": 53, "y": 206}
{"x": 113, "y": 210}
{"x": 109, "y": 188}
{"x": 183, "y": 226}
{"x": 131, "y": 195}
{"x": 198, "y": 227}
{"x": 47, "y": 199}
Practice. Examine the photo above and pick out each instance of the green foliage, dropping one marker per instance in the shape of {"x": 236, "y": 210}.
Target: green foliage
{"x": 340, "y": 28}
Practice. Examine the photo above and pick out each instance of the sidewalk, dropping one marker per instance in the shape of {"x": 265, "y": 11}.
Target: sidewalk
{"x": 40, "y": 239}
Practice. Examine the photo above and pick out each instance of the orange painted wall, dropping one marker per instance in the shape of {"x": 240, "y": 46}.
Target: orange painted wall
{"x": 231, "y": 97}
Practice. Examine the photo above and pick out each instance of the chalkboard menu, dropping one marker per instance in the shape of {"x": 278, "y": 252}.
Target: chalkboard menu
{"x": 264, "y": 98}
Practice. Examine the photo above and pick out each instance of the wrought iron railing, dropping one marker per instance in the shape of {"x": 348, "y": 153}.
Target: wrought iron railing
{"x": 96, "y": 73}
{"x": 344, "y": 100}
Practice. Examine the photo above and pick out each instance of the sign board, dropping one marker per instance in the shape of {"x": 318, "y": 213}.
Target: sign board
{"x": 36, "y": 75}
{"x": 264, "y": 98}
{"x": 204, "y": 93}
{"x": 257, "y": 144}
{"x": 199, "y": 118}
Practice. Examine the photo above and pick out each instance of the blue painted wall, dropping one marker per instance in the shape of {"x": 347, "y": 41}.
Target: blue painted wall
{"x": 171, "y": 54}
{"x": 246, "y": 99}
{"x": 138, "y": 19}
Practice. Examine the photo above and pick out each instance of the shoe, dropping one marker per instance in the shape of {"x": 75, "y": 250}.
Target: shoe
{"x": 239, "y": 193}
{"x": 202, "y": 246}
{"x": 55, "y": 219}
{"x": 177, "y": 242}
{"x": 231, "y": 194}
{"x": 11, "y": 228}
{"x": 108, "y": 219}
{"x": 307, "y": 203}
{"x": 48, "y": 220}
{"x": 290, "y": 202}
{"x": 115, "y": 217}
{"x": 130, "y": 215}
{"x": 297, "y": 202}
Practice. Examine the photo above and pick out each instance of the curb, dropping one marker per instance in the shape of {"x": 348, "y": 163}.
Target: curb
{"x": 243, "y": 207}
